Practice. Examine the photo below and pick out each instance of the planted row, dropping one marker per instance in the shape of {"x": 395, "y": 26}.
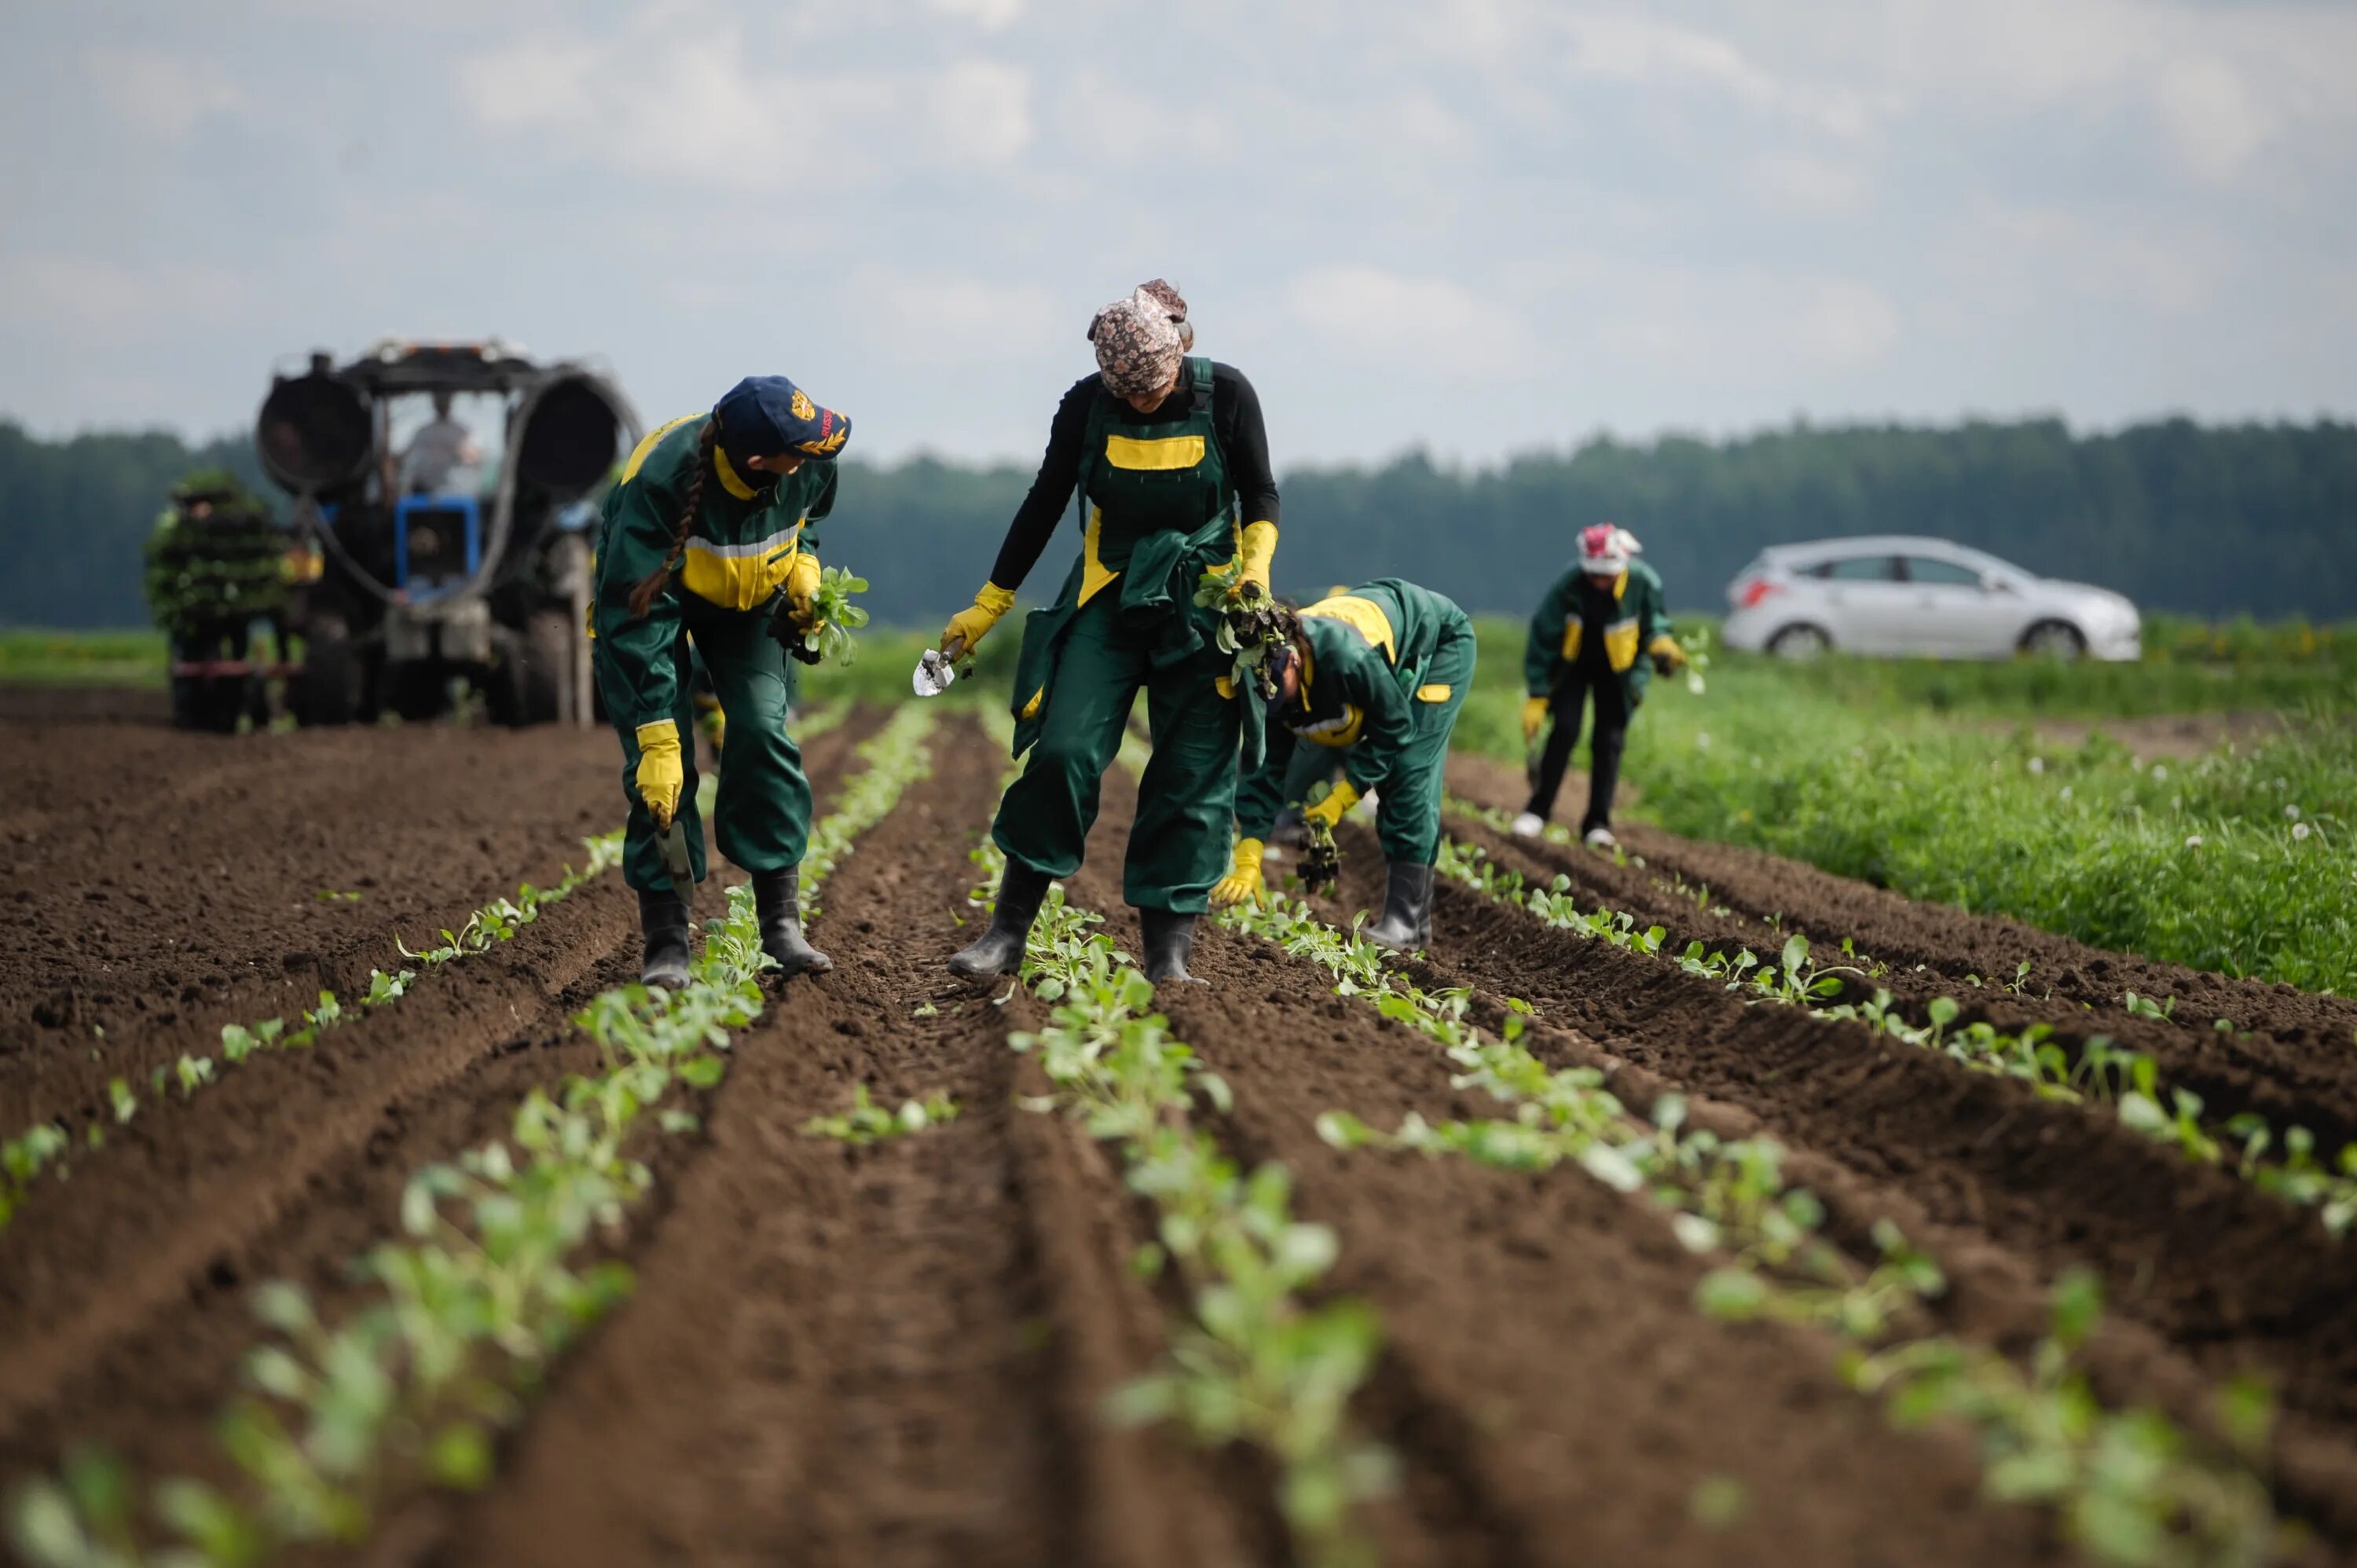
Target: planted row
{"x": 41, "y": 1147}
{"x": 1257, "y": 1364}
{"x": 2285, "y": 1164}
{"x": 2128, "y": 1485}
{"x": 467, "y": 1312}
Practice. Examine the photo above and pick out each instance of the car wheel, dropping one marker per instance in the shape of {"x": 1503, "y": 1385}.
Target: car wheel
{"x": 1800, "y": 642}
{"x": 2055, "y": 639}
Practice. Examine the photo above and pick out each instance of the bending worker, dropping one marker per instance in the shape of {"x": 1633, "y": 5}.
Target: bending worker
{"x": 1380, "y": 670}
{"x": 1169, "y": 457}
{"x": 1584, "y": 643}
{"x": 703, "y": 538}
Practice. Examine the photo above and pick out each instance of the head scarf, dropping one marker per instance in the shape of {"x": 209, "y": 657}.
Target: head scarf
{"x": 1141, "y": 339}
{"x": 1601, "y": 553}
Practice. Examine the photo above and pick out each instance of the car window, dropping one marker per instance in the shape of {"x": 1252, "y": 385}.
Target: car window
{"x": 1853, "y": 569}
{"x": 1925, "y": 569}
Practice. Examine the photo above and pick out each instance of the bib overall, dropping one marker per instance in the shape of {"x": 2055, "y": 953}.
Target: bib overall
{"x": 1160, "y": 510}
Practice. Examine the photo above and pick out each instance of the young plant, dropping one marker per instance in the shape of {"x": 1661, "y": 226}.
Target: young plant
{"x": 836, "y": 617}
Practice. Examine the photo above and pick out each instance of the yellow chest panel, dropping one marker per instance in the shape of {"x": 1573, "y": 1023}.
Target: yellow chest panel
{"x": 1363, "y": 616}
{"x": 739, "y": 576}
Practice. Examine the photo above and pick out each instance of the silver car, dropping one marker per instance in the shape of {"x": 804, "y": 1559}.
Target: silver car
{"x": 1892, "y": 594}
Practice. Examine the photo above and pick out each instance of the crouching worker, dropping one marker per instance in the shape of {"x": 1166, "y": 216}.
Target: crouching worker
{"x": 1584, "y": 645}
{"x": 1380, "y": 670}
{"x": 702, "y": 538}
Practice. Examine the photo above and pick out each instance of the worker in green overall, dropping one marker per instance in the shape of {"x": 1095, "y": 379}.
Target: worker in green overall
{"x": 1585, "y": 643}
{"x": 702, "y": 538}
{"x": 1380, "y": 670}
{"x": 1170, "y": 460}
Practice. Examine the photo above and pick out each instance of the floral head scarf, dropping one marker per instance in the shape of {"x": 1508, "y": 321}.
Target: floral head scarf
{"x": 1141, "y": 339}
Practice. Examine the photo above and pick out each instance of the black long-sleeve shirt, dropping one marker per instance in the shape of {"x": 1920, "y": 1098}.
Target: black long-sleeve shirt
{"x": 1235, "y": 419}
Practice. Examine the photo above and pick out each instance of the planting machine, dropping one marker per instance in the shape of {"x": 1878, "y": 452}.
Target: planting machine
{"x": 433, "y": 584}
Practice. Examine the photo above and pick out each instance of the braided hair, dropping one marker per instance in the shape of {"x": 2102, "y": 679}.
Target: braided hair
{"x": 644, "y": 595}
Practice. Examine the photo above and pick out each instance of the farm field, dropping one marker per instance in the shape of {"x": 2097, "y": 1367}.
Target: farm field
{"x": 914, "y": 1270}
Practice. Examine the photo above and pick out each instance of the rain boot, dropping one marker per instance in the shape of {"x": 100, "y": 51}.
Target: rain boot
{"x": 663, "y": 916}
{"x": 776, "y": 899}
{"x": 1407, "y": 909}
{"x": 1169, "y": 938}
{"x": 999, "y": 950}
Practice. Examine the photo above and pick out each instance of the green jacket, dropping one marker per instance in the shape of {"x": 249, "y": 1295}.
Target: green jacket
{"x": 739, "y": 547}
{"x": 1631, "y": 622}
{"x": 1369, "y": 651}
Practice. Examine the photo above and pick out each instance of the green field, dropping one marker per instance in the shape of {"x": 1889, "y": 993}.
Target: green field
{"x": 35, "y": 657}
{"x": 1943, "y": 783}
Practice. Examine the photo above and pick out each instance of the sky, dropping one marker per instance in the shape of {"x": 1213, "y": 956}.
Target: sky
{"x": 1476, "y": 227}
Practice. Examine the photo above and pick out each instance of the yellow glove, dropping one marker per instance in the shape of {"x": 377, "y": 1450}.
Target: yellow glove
{"x": 1339, "y": 800}
{"x": 971, "y": 626}
{"x": 801, "y": 588}
{"x": 1534, "y": 713}
{"x": 661, "y": 774}
{"x": 1668, "y": 657}
{"x": 1243, "y": 882}
{"x": 1258, "y": 553}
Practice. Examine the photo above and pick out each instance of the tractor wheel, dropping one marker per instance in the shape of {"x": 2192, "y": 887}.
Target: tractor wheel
{"x": 529, "y": 685}
{"x": 330, "y": 689}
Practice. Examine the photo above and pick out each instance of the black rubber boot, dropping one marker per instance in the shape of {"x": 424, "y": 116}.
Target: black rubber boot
{"x": 777, "y": 900}
{"x": 1407, "y": 909}
{"x": 663, "y": 916}
{"x": 1170, "y": 941}
{"x": 999, "y": 950}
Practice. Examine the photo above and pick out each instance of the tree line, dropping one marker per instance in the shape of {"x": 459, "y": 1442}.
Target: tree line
{"x": 2212, "y": 520}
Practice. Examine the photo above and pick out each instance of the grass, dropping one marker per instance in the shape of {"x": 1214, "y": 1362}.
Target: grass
{"x": 2239, "y": 861}
{"x": 30, "y": 657}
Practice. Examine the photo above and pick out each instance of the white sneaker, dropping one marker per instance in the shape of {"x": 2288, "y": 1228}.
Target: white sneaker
{"x": 1528, "y": 825}
{"x": 1601, "y": 838}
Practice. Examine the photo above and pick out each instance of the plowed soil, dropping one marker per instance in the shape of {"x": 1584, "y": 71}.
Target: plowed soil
{"x": 901, "y": 1353}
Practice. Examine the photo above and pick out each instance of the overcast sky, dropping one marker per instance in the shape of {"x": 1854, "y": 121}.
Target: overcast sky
{"x": 1480, "y": 226}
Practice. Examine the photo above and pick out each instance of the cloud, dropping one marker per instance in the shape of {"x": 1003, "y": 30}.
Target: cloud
{"x": 162, "y": 94}
{"x": 96, "y": 300}
{"x": 1796, "y": 182}
{"x": 1640, "y": 50}
{"x": 1366, "y": 314}
{"x": 934, "y": 320}
{"x": 2211, "y": 115}
{"x": 1742, "y": 324}
{"x": 697, "y": 103}
{"x": 990, "y": 16}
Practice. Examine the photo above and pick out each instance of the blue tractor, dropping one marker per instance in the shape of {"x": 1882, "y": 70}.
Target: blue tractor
{"x": 444, "y": 573}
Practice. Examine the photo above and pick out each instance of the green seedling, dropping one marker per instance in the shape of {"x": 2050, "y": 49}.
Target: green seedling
{"x": 483, "y": 1288}
{"x": 868, "y": 1123}
{"x": 836, "y": 617}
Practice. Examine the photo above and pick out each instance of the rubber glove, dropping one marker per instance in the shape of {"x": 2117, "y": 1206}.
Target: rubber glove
{"x": 1243, "y": 881}
{"x": 660, "y": 773}
{"x": 1339, "y": 800}
{"x": 802, "y": 588}
{"x": 1534, "y": 713}
{"x": 971, "y": 626}
{"x": 1668, "y": 657}
{"x": 1258, "y": 554}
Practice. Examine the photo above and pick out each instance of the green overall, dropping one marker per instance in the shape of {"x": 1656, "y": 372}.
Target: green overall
{"x": 1161, "y": 510}
{"x": 738, "y": 552}
{"x": 1390, "y": 664}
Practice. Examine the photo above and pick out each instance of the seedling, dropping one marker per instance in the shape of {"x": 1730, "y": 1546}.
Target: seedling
{"x": 868, "y": 1123}
{"x": 835, "y": 618}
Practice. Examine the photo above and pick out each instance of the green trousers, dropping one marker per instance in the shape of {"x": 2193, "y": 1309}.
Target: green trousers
{"x": 1187, "y": 796}
{"x": 1407, "y": 813}
{"x": 762, "y": 811}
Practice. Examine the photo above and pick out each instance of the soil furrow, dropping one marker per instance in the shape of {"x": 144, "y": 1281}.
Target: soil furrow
{"x": 2231, "y": 1280}
{"x": 288, "y": 1167}
{"x": 900, "y": 1349}
{"x": 2287, "y": 1025}
{"x": 135, "y": 944}
{"x": 1551, "y": 1390}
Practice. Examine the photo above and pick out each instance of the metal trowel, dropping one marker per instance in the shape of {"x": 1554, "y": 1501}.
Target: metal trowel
{"x": 937, "y": 671}
{"x": 682, "y": 869}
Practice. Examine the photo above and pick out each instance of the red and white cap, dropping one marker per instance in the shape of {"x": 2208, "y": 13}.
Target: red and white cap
{"x": 1604, "y": 550}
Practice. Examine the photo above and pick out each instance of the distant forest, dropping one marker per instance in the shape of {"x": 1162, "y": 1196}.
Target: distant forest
{"x": 2208, "y": 521}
